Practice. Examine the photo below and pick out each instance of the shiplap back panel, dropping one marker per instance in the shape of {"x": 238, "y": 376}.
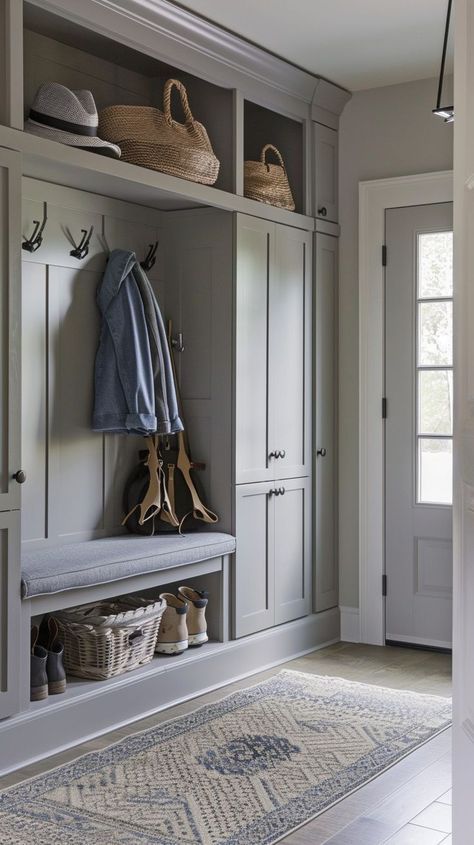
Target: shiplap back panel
{"x": 199, "y": 296}
{"x": 48, "y": 60}
{"x": 75, "y": 477}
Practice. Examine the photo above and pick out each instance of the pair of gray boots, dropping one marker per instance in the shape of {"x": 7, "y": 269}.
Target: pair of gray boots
{"x": 47, "y": 674}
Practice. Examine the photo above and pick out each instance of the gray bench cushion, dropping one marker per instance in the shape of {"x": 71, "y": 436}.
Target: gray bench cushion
{"x": 62, "y": 568}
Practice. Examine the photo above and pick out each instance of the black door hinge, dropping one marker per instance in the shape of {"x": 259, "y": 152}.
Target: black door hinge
{"x": 384, "y": 255}
{"x": 384, "y": 585}
{"x": 384, "y": 408}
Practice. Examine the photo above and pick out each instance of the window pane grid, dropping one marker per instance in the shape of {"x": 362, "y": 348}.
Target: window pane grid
{"x": 434, "y": 368}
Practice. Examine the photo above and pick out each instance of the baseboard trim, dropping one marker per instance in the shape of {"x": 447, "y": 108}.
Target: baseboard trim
{"x": 34, "y": 735}
{"x": 350, "y": 624}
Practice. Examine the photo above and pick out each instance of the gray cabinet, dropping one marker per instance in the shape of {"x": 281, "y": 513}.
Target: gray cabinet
{"x": 10, "y": 236}
{"x": 10, "y": 287}
{"x": 292, "y": 548}
{"x": 272, "y": 580}
{"x": 11, "y": 648}
{"x": 325, "y": 170}
{"x": 325, "y": 472}
{"x": 272, "y": 569}
{"x": 254, "y": 569}
{"x": 273, "y": 351}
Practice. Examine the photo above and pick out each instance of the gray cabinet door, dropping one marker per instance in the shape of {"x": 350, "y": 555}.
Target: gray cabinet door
{"x": 292, "y": 549}
{"x": 326, "y": 421}
{"x": 289, "y": 408}
{"x": 254, "y": 574}
{"x": 10, "y": 343}
{"x": 325, "y": 169}
{"x": 253, "y": 425}
{"x": 11, "y": 653}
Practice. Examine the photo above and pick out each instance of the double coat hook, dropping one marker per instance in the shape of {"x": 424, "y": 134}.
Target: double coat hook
{"x": 150, "y": 257}
{"x": 35, "y": 240}
{"x": 82, "y": 249}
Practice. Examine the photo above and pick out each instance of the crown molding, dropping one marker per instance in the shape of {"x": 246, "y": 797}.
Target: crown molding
{"x": 179, "y": 37}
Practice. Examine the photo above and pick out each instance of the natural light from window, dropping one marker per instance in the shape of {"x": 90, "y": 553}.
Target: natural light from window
{"x": 434, "y": 368}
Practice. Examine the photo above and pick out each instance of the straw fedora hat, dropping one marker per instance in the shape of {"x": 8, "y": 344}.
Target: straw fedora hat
{"x": 69, "y": 117}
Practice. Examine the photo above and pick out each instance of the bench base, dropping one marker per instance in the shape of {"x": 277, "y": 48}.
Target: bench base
{"x": 90, "y": 708}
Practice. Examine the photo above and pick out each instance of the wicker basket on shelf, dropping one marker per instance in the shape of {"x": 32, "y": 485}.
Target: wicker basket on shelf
{"x": 110, "y": 637}
{"x": 268, "y": 182}
{"x": 151, "y": 138}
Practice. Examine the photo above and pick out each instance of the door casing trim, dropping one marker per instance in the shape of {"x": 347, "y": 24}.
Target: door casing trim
{"x": 374, "y": 198}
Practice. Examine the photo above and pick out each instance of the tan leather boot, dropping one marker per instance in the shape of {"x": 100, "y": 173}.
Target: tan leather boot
{"x": 173, "y": 632}
{"x": 196, "y": 618}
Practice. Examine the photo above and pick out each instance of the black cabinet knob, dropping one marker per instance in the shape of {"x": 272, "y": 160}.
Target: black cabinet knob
{"x": 20, "y": 476}
{"x": 321, "y": 452}
{"x": 323, "y": 212}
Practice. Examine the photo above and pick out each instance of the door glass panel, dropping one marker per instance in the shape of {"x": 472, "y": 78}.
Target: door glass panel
{"x": 435, "y": 471}
{"x": 435, "y": 333}
{"x": 434, "y": 368}
{"x": 435, "y": 265}
{"x": 435, "y": 402}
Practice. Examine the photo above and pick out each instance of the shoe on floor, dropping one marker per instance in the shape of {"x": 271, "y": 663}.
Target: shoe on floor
{"x": 196, "y": 618}
{"x": 38, "y": 676}
{"x": 173, "y": 631}
{"x": 49, "y": 639}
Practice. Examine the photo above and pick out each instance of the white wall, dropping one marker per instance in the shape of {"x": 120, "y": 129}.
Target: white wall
{"x": 383, "y": 132}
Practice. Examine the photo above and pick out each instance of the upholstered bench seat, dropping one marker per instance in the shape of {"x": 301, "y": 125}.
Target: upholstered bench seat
{"x": 69, "y": 567}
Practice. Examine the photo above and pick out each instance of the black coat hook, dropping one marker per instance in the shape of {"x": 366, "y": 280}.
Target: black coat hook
{"x": 82, "y": 249}
{"x": 150, "y": 257}
{"x": 34, "y": 242}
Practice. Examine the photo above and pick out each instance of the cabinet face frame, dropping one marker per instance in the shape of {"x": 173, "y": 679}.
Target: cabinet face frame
{"x": 325, "y": 423}
{"x": 10, "y": 339}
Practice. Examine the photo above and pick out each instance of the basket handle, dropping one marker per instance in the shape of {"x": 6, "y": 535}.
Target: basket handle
{"x": 169, "y": 85}
{"x": 275, "y": 152}
{"x": 135, "y": 637}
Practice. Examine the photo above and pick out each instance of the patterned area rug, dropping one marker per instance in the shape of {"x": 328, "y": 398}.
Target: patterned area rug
{"x": 244, "y": 771}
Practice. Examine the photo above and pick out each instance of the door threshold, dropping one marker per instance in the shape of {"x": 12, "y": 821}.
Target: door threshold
{"x": 419, "y": 646}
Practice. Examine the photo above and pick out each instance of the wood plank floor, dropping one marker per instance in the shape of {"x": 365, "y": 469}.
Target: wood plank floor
{"x": 408, "y": 804}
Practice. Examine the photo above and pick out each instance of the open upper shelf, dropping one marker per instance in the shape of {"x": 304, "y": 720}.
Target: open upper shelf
{"x": 62, "y": 165}
{"x": 58, "y": 49}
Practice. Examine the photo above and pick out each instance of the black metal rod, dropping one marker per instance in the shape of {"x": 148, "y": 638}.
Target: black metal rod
{"x": 443, "y": 57}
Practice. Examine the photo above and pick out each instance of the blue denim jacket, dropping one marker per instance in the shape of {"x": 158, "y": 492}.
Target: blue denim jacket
{"x": 134, "y": 384}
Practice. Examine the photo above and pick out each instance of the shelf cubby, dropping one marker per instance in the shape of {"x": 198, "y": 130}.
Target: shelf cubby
{"x": 58, "y": 50}
{"x": 264, "y": 126}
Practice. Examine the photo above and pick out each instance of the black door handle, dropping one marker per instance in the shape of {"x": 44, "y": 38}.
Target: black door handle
{"x": 323, "y": 211}
{"x": 20, "y": 476}
{"x": 321, "y": 452}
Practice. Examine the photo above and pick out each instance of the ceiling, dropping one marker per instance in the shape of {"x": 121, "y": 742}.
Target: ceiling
{"x": 356, "y": 43}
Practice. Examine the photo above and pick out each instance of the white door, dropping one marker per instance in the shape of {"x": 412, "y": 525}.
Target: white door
{"x": 419, "y": 425}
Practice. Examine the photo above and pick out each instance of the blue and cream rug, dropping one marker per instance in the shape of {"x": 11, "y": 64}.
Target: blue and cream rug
{"x": 246, "y": 770}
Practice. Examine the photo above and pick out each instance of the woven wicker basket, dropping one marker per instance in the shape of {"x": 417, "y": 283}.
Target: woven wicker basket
{"x": 268, "y": 182}
{"x": 151, "y": 138}
{"x": 111, "y": 637}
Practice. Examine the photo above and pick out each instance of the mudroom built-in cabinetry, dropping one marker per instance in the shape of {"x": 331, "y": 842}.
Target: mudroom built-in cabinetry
{"x": 250, "y": 290}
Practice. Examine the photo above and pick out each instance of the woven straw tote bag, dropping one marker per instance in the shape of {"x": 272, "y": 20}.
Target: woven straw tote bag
{"x": 151, "y": 138}
{"x": 268, "y": 182}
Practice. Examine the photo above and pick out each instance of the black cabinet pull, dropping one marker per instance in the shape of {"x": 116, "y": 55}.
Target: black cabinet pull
{"x": 20, "y": 476}
{"x": 321, "y": 452}
{"x": 323, "y": 211}
{"x": 281, "y": 491}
